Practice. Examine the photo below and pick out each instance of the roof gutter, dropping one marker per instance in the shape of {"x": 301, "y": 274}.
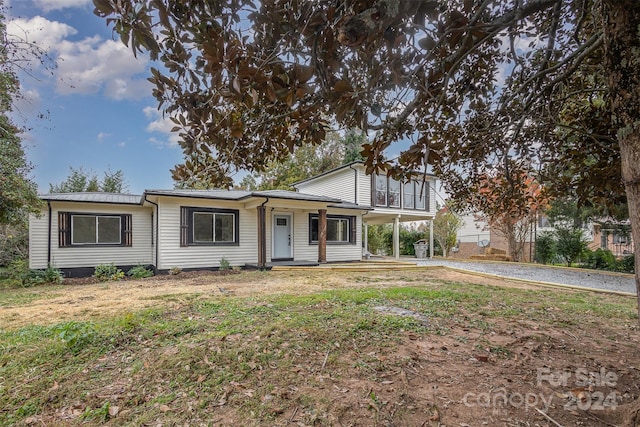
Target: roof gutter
{"x": 156, "y": 229}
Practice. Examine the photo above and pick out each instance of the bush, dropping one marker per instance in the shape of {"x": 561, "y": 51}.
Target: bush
{"x": 139, "y": 272}
{"x": 19, "y": 274}
{"x": 108, "y": 272}
{"x": 627, "y": 264}
{"x": 545, "y": 248}
{"x": 175, "y": 271}
{"x": 407, "y": 239}
{"x": 571, "y": 244}
{"x": 224, "y": 264}
{"x": 601, "y": 259}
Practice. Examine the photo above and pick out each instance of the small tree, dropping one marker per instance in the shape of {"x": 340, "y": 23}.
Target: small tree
{"x": 571, "y": 244}
{"x": 545, "y": 247}
{"x": 446, "y": 225}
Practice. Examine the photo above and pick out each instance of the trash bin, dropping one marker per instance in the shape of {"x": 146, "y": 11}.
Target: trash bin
{"x": 421, "y": 247}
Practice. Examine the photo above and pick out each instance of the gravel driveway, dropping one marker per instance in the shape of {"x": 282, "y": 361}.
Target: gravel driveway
{"x": 539, "y": 273}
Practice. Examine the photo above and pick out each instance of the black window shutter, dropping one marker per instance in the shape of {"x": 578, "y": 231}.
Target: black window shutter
{"x": 184, "y": 226}
{"x": 127, "y": 230}
{"x": 64, "y": 229}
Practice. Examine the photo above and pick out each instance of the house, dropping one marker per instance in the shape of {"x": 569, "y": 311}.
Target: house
{"x": 322, "y": 221}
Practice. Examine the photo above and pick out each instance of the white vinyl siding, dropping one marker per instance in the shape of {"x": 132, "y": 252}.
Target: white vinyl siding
{"x": 339, "y": 184}
{"x": 141, "y": 250}
{"x": 171, "y": 254}
{"x": 38, "y": 228}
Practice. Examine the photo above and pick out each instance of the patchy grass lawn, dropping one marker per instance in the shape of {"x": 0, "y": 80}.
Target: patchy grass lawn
{"x": 317, "y": 348}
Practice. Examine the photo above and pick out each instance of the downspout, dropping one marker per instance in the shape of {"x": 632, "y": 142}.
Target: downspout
{"x": 355, "y": 182}
{"x": 157, "y": 230}
{"x": 49, "y": 237}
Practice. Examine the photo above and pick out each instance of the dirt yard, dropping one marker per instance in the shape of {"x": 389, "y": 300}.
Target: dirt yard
{"x": 515, "y": 373}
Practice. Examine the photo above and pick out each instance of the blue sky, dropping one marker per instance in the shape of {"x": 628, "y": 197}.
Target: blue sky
{"x": 101, "y": 113}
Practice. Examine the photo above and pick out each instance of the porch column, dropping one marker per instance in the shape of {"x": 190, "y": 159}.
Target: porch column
{"x": 396, "y": 237}
{"x": 431, "y": 238}
{"x": 365, "y": 238}
{"x": 262, "y": 237}
{"x": 322, "y": 235}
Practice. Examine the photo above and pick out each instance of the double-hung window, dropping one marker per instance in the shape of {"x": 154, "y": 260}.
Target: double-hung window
{"x": 381, "y": 190}
{"x": 340, "y": 229}
{"x": 394, "y": 193}
{"x": 408, "y": 196}
{"x": 205, "y": 226}
{"x": 88, "y": 229}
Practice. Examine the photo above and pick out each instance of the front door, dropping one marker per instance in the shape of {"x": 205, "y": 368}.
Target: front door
{"x": 282, "y": 237}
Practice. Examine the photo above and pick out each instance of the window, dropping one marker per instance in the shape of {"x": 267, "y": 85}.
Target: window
{"x": 381, "y": 190}
{"x": 340, "y": 229}
{"x": 409, "y": 195}
{"x": 204, "y": 226}
{"x": 78, "y": 229}
{"x": 394, "y": 193}
{"x": 388, "y": 192}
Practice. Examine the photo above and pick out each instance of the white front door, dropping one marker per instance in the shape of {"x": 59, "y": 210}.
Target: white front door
{"x": 282, "y": 237}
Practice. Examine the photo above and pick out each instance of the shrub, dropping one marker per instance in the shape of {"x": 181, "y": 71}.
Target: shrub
{"x": 601, "y": 259}
{"x": 20, "y": 274}
{"x": 224, "y": 264}
{"x": 571, "y": 244}
{"x": 545, "y": 248}
{"x": 139, "y": 272}
{"x": 627, "y": 264}
{"x": 175, "y": 271}
{"x": 407, "y": 239}
{"x": 108, "y": 272}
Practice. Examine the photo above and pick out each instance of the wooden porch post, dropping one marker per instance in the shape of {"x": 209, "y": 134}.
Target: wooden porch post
{"x": 262, "y": 237}
{"x": 322, "y": 235}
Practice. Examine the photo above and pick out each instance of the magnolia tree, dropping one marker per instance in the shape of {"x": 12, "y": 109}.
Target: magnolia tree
{"x": 466, "y": 86}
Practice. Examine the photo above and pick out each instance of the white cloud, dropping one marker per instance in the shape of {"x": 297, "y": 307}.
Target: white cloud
{"x": 161, "y": 125}
{"x": 49, "y": 5}
{"x": 93, "y": 65}
{"x": 40, "y": 31}
{"x": 88, "y": 66}
{"x": 103, "y": 135}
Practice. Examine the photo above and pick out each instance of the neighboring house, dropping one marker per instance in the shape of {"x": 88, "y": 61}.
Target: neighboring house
{"x": 611, "y": 234}
{"x": 196, "y": 229}
{"x": 473, "y": 237}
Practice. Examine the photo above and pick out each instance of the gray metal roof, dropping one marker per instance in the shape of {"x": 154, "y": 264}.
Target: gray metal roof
{"x": 114, "y": 198}
{"x": 232, "y": 195}
{"x": 291, "y": 195}
{"x": 202, "y": 194}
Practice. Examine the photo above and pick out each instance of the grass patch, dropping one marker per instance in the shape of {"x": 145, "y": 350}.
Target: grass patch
{"x": 18, "y": 297}
{"x": 201, "y": 355}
